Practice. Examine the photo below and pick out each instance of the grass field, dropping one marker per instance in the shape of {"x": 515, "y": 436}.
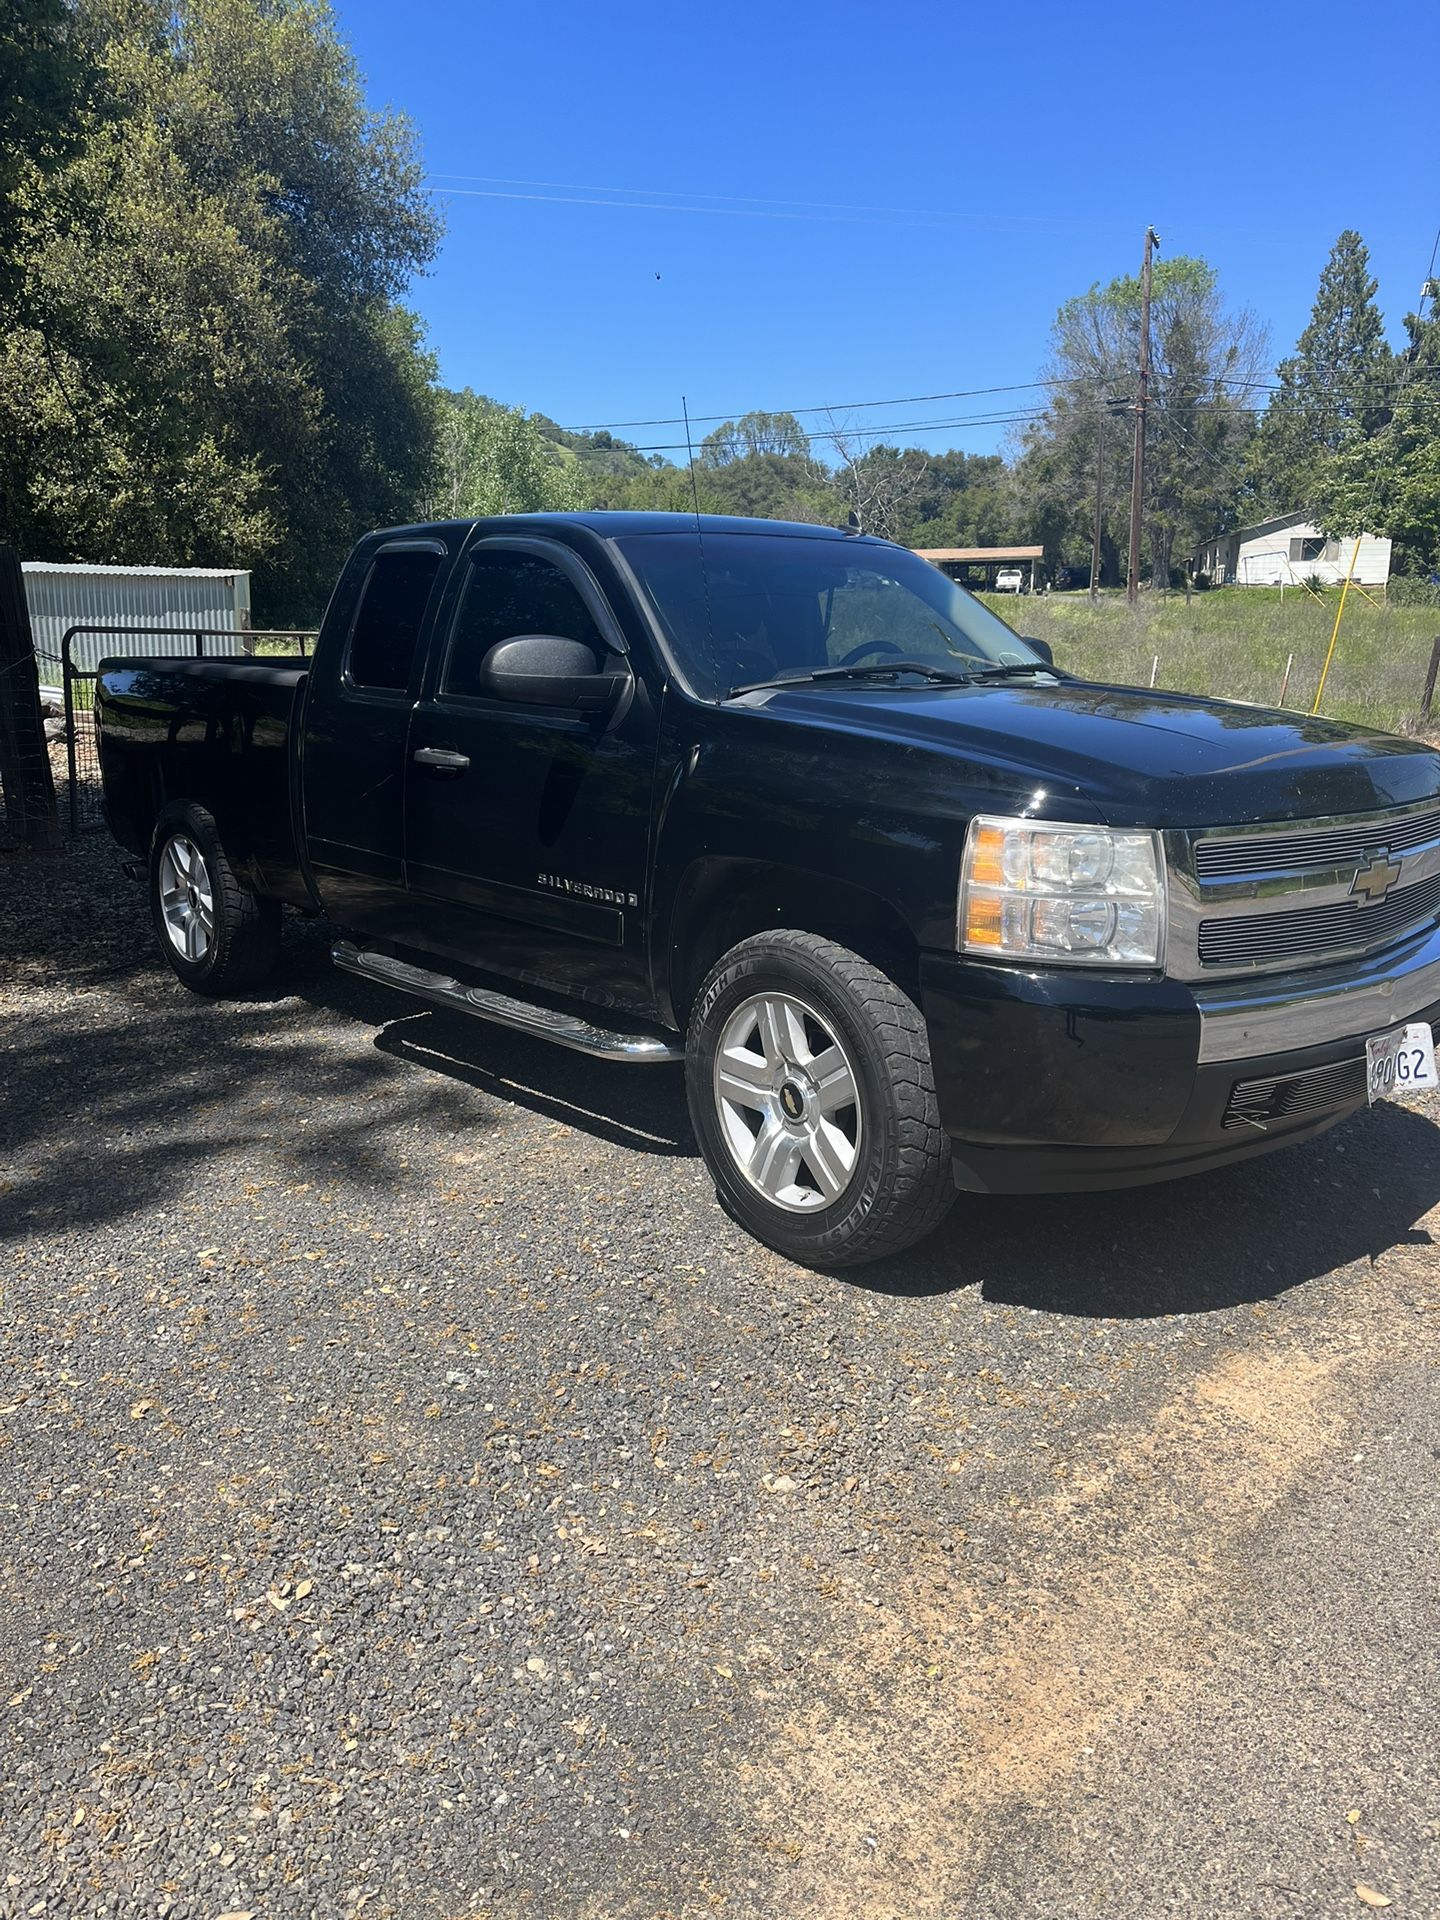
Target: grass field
{"x": 1234, "y": 641}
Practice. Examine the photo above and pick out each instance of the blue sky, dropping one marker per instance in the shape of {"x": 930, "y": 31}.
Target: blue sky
{"x": 825, "y": 204}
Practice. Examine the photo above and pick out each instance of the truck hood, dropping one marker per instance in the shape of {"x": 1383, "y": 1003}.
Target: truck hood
{"x": 1137, "y": 757}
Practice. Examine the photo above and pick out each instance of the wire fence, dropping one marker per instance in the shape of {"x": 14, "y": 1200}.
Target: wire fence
{"x": 77, "y": 667}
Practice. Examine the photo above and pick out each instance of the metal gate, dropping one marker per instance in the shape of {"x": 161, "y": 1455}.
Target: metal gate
{"x": 82, "y": 759}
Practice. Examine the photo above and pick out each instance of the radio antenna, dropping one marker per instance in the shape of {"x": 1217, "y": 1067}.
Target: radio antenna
{"x": 700, "y": 542}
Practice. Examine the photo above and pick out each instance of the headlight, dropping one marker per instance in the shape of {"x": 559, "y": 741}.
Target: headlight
{"x": 1032, "y": 890}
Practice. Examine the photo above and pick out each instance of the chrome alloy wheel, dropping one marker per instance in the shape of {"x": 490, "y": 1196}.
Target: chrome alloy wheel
{"x": 788, "y": 1099}
{"x": 186, "y": 899}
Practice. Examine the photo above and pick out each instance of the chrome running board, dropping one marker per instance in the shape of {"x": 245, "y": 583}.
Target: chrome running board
{"x": 482, "y": 1003}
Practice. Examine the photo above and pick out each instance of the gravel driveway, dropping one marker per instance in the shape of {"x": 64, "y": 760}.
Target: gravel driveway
{"x": 417, "y": 1499}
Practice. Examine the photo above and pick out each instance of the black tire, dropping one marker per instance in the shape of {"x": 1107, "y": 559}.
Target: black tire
{"x": 241, "y": 942}
{"x": 899, "y": 1185}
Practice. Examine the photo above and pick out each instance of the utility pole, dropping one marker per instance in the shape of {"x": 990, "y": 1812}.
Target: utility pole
{"x": 1099, "y": 491}
{"x": 1142, "y": 401}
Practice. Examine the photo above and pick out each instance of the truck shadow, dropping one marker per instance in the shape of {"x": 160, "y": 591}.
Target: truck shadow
{"x": 1223, "y": 1239}
{"x": 639, "y": 1107}
{"x": 1239, "y": 1235}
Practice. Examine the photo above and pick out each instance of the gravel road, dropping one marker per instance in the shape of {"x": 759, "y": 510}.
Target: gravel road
{"x": 417, "y": 1499}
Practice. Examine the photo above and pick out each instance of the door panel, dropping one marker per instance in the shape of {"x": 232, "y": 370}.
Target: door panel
{"x": 357, "y": 720}
{"x": 531, "y": 859}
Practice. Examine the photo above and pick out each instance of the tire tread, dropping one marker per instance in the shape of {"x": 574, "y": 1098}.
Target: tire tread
{"x": 920, "y": 1190}
{"x": 247, "y": 927}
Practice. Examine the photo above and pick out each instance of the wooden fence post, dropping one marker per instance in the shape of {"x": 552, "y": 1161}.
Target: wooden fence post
{"x": 1427, "y": 698}
{"x": 24, "y": 757}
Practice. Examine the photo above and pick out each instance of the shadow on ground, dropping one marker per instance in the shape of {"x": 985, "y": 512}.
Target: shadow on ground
{"x": 114, "y": 1101}
{"x": 639, "y": 1107}
{"x": 1240, "y": 1234}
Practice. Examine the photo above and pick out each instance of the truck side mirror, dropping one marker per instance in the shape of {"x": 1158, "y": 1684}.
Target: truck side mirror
{"x": 1042, "y": 647}
{"x": 545, "y": 670}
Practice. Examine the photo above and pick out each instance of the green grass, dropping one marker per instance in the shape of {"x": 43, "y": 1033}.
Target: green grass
{"x": 1233, "y": 643}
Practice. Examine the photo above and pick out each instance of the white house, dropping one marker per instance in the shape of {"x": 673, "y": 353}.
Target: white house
{"x": 1289, "y": 551}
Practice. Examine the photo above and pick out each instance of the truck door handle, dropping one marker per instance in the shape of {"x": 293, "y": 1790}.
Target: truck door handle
{"x": 441, "y": 760}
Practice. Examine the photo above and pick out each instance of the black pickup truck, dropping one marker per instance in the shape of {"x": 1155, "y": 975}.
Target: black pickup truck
{"x": 916, "y": 909}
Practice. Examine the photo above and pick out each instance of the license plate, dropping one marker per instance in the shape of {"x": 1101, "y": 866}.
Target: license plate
{"x": 1400, "y": 1062}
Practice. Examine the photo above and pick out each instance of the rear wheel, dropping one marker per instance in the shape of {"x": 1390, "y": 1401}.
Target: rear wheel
{"x": 217, "y": 935}
{"x": 808, "y": 1074}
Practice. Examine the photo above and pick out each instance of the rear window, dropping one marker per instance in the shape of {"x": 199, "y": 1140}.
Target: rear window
{"x": 389, "y": 618}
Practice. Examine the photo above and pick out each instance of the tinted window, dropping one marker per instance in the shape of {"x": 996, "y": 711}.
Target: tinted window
{"x": 382, "y": 642}
{"x": 508, "y": 594}
{"x": 767, "y": 605}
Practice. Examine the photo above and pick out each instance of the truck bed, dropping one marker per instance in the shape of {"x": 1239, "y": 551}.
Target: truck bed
{"x": 220, "y": 731}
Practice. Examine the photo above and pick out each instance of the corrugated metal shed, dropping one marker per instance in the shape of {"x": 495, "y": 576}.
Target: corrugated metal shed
{"x": 63, "y": 596}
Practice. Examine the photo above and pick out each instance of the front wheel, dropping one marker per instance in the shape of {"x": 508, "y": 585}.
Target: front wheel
{"x": 810, "y": 1089}
{"x": 217, "y": 935}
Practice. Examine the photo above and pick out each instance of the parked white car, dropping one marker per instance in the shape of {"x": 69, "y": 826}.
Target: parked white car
{"x": 1010, "y": 580}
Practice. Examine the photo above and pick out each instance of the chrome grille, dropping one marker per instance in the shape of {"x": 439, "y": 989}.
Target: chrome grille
{"x": 1301, "y": 932}
{"x": 1294, "y": 1096}
{"x": 1278, "y": 895}
{"x": 1222, "y": 858}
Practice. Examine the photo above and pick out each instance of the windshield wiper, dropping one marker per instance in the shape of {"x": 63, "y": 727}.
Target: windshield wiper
{"x": 879, "y": 669}
{"x": 1007, "y": 669}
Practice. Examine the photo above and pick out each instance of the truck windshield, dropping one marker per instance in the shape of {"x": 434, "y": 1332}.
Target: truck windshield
{"x": 772, "y": 606}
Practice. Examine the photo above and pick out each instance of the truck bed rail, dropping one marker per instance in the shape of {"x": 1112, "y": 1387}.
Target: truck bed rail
{"x": 82, "y": 761}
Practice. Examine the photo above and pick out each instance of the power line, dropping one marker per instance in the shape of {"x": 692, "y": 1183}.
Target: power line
{"x": 1012, "y": 417}
{"x": 872, "y": 433}
{"x": 1078, "y": 383}
{"x": 673, "y": 206}
{"x": 828, "y": 406}
{"x": 669, "y": 194}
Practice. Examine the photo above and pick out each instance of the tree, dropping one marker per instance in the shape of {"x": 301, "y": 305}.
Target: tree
{"x": 1332, "y": 390}
{"x": 755, "y": 433}
{"x": 768, "y": 486}
{"x": 960, "y": 500}
{"x": 211, "y": 365}
{"x": 1388, "y": 481}
{"x": 495, "y": 459}
{"x": 877, "y": 487}
{"x": 608, "y": 468}
{"x": 1204, "y": 358}
{"x": 44, "y": 72}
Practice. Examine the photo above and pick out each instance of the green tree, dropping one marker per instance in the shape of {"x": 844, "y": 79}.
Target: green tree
{"x": 1331, "y": 391}
{"x": 769, "y": 486}
{"x": 496, "y": 459}
{"x": 212, "y": 366}
{"x": 1388, "y": 481}
{"x": 961, "y": 500}
{"x": 1204, "y": 358}
{"x": 659, "y": 488}
{"x": 44, "y": 74}
{"x": 608, "y": 467}
{"x": 780, "y": 434}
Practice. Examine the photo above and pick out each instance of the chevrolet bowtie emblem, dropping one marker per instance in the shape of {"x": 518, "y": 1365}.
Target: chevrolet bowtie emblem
{"x": 1375, "y": 879}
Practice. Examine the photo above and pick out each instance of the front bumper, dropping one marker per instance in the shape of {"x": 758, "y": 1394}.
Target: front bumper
{"x": 1061, "y": 1080}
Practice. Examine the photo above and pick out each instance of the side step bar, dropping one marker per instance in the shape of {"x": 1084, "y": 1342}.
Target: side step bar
{"x": 565, "y": 1029}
